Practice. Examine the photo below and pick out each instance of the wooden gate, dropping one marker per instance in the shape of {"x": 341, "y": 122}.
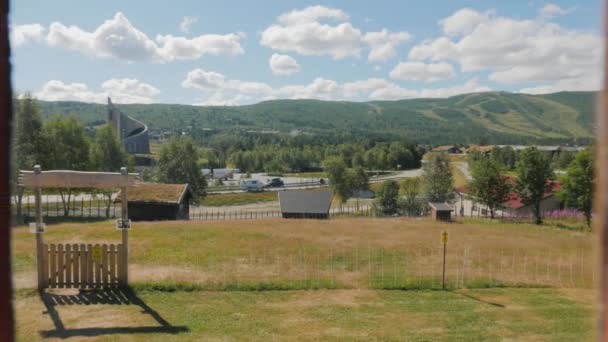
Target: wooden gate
{"x": 83, "y": 266}
{"x": 77, "y": 265}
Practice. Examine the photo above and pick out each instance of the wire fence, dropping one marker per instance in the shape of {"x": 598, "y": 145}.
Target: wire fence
{"x": 77, "y": 207}
{"x": 373, "y": 268}
{"x": 206, "y": 213}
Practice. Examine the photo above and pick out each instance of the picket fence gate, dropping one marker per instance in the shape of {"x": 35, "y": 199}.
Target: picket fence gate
{"x": 83, "y": 266}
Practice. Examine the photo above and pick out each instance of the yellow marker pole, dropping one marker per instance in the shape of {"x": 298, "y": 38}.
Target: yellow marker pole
{"x": 444, "y": 238}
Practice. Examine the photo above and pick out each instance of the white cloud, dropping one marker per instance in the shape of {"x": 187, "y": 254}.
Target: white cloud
{"x": 302, "y": 32}
{"x": 118, "y": 38}
{"x": 22, "y": 34}
{"x": 384, "y": 43}
{"x": 187, "y": 22}
{"x": 418, "y": 71}
{"x": 120, "y": 90}
{"x": 311, "y": 14}
{"x": 463, "y": 21}
{"x": 216, "y": 89}
{"x": 515, "y": 51}
{"x": 283, "y": 64}
{"x": 173, "y": 48}
{"x": 552, "y": 10}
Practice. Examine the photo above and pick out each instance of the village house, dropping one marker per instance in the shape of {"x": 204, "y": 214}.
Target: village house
{"x": 157, "y": 201}
{"x": 466, "y": 205}
{"x": 448, "y": 149}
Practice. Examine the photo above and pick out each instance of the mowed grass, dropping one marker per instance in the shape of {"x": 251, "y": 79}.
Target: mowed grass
{"x": 324, "y": 315}
{"x": 216, "y": 200}
{"x": 221, "y": 281}
{"x": 347, "y": 253}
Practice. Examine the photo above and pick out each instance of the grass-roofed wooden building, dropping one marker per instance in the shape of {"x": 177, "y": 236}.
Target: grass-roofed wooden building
{"x": 157, "y": 201}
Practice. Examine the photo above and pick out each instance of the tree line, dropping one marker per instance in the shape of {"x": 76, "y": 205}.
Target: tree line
{"x": 63, "y": 143}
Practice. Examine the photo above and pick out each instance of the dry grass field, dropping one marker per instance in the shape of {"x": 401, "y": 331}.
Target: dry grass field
{"x": 338, "y": 253}
{"x": 342, "y": 279}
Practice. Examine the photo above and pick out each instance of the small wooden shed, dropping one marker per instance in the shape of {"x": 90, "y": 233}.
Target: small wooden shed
{"x": 158, "y": 201}
{"x": 305, "y": 204}
{"x": 441, "y": 211}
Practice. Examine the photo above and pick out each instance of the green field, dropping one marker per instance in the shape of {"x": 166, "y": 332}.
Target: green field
{"x": 342, "y": 279}
{"x": 324, "y": 315}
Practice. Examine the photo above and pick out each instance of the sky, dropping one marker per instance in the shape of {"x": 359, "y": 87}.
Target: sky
{"x": 241, "y": 52}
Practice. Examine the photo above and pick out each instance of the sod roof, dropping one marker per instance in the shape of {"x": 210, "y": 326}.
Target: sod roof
{"x": 156, "y": 193}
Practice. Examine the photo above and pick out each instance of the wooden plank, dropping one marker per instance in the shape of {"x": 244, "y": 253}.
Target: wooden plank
{"x": 104, "y": 265}
{"x": 76, "y": 270}
{"x": 97, "y": 267}
{"x": 60, "y": 265}
{"x": 89, "y": 266}
{"x": 83, "y": 266}
{"x": 76, "y": 179}
{"x": 112, "y": 265}
{"x": 45, "y": 266}
{"x": 68, "y": 265}
{"x": 53, "y": 257}
{"x": 119, "y": 266}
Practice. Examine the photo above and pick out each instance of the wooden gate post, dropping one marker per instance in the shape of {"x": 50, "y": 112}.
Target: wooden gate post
{"x": 39, "y": 230}
{"x": 125, "y": 230}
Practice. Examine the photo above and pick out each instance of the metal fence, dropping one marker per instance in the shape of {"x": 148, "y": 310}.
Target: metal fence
{"x": 376, "y": 268}
{"x": 83, "y": 206}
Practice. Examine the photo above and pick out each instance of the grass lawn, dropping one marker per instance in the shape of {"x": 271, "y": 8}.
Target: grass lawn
{"x": 459, "y": 178}
{"x": 215, "y": 200}
{"x": 324, "y": 315}
{"x": 356, "y": 279}
{"x": 339, "y": 253}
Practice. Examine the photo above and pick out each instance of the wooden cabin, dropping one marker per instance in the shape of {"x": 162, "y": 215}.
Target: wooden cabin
{"x": 158, "y": 201}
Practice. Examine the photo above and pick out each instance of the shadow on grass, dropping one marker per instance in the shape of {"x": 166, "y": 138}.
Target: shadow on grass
{"x": 105, "y": 297}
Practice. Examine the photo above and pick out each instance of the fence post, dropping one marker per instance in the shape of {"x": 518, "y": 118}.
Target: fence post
{"x": 444, "y": 238}
{"x": 39, "y": 230}
{"x": 125, "y": 231}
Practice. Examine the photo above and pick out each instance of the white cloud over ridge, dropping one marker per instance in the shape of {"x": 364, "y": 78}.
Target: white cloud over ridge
{"x": 216, "y": 89}
{"x": 384, "y": 44}
{"x": 324, "y": 31}
{"x": 517, "y": 51}
{"x": 418, "y": 71}
{"x": 123, "y": 90}
{"x": 118, "y": 38}
{"x": 283, "y": 65}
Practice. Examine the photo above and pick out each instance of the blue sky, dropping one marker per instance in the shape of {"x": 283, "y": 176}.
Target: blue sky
{"x": 239, "y": 52}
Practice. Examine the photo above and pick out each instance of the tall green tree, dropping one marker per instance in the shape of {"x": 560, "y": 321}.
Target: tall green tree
{"x": 387, "y": 198}
{"x": 411, "y": 203}
{"x": 437, "y": 178}
{"x": 340, "y": 179}
{"x": 533, "y": 179}
{"x": 488, "y": 185}
{"x": 66, "y": 148}
{"x": 577, "y": 183}
{"x": 28, "y": 142}
{"x": 107, "y": 154}
{"x": 178, "y": 163}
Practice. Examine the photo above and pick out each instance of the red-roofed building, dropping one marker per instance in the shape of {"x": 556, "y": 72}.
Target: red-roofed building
{"x": 467, "y": 206}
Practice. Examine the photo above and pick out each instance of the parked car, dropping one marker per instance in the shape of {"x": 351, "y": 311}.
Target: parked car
{"x": 251, "y": 185}
{"x": 275, "y": 183}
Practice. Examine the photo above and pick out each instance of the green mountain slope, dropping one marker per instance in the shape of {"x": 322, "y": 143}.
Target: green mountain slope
{"x": 494, "y": 117}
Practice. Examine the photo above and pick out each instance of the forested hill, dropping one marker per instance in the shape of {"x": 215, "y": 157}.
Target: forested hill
{"x": 492, "y": 117}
